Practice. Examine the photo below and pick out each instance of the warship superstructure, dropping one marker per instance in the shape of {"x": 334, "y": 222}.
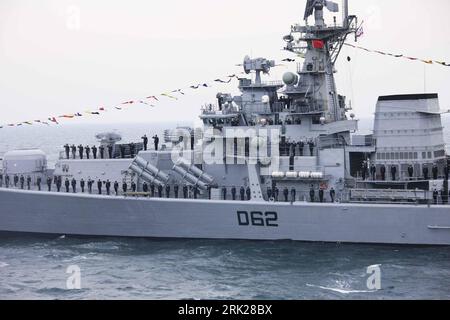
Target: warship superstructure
{"x": 281, "y": 161}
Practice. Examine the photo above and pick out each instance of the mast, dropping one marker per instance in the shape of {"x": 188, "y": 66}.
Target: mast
{"x": 320, "y": 45}
{"x": 345, "y": 12}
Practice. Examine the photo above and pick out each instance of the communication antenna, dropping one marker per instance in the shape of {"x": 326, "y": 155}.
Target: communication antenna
{"x": 318, "y": 6}
{"x": 259, "y": 65}
{"x": 345, "y": 12}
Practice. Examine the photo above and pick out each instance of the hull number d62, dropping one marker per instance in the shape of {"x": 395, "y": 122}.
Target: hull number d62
{"x": 257, "y": 218}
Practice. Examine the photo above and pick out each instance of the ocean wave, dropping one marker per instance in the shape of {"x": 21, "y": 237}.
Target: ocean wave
{"x": 57, "y": 292}
{"x": 99, "y": 246}
{"x": 89, "y": 256}
{"x": 340, "y": 290}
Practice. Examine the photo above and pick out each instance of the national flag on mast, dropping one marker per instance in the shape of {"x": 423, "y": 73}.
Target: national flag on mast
{"x": 360, "y": 32}
{"x": 318, "y": 44}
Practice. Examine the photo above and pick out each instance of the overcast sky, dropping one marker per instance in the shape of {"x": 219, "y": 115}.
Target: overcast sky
{"x": 61, "y": 56}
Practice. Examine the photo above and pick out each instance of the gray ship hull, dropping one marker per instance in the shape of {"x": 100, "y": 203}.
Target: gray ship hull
{"x": 93, "y": 215}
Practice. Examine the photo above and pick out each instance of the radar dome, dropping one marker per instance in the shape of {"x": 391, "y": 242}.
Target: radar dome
{"x": 265, "y": 99}
{"x": 290, "y": 78}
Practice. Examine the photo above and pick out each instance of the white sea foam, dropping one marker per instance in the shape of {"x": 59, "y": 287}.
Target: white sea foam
{"x": 340, "y": 290}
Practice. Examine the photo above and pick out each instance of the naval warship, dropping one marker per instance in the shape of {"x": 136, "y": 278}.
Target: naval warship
{"x": 281, "y": 161}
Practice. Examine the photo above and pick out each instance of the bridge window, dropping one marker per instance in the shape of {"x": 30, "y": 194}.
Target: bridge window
{"x": 439, "y": 153}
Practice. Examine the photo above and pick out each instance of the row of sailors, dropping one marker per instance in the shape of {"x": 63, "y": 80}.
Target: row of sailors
{"x": 410, "y": 171}
{"x": 152, "y": 190}
{"x": 273, "y": 194}
{"x": 72, "y": 185}
{"x": 87, "y": 150}
{"x": 442, "y": 195}
{"x": 17, "y": 180}
{"x": 57, "y": 181}
{"x": 293, "y": 148}
{"x": 291, "y": 195}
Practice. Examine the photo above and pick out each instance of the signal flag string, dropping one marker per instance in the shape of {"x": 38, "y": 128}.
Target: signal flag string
{"x": 427, "y": 61}
{"x": 150, "y": 101}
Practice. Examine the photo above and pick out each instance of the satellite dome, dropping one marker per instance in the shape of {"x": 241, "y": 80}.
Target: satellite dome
{"x": 109, "y": 137}
{"x": 290, "y": 78}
